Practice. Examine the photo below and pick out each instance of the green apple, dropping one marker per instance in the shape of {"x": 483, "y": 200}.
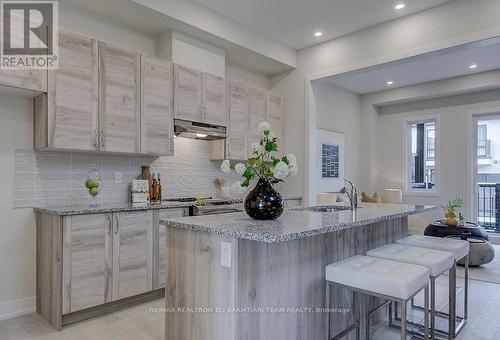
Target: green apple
{"x": 89, "y": 184}
{"x": 94, "y": 191}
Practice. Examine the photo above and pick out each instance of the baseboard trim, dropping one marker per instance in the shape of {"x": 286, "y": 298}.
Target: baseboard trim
{"x": 11, "y": 309}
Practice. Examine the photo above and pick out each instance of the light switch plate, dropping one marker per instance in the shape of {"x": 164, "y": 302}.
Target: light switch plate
{"x": 225, "y": 254}
{"x": 118, "y": 177}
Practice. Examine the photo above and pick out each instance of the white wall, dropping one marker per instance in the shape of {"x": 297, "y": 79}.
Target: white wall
{"x": 337, "y": 110}
{"x": 246, "y": 75}
{"x": 454, "y": 23}
{"x": 17, "y": 234}
{"x": 455, "y": 133}
{"x": 186, "y": 51}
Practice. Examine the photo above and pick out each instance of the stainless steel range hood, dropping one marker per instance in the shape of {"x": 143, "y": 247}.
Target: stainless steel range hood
{"x": 201, "y": 131}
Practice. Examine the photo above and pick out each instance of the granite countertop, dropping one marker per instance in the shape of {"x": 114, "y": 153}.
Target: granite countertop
{"x": 294, "y": 223}
{"x": 66, "y": 210}
{"x": 108, "y": 208}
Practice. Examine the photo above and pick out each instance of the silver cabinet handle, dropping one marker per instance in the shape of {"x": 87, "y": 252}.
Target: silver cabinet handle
{"x": 109, "y": 225}
{"x": 116, "y": 224}
{"x": 204, "y": 112}
{"x": 95, "y": 138}
{"x": 200, "y": 112}
{"x": 102, "y": 139}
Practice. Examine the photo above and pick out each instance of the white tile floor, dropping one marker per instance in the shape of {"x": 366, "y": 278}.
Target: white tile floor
{"x": 140, "y": 323}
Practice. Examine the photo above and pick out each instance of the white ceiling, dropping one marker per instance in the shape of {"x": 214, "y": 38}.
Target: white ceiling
{"x": 293, "y": 22}
{"x": 444, "y": 64}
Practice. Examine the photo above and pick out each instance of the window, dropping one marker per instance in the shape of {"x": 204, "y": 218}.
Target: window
{"x": 422, "y": 155}
{"x": 330, "y": 161}
{"x": 483, "y": 143}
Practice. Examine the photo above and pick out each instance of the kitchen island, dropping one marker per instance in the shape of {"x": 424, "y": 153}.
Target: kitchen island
{"x": 230, "y": 277}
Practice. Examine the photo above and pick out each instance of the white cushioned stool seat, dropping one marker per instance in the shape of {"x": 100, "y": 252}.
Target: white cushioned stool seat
{"x": 458, "y": 247}
{"x": 395, "y": 279}
{"x": 436, "y": 260}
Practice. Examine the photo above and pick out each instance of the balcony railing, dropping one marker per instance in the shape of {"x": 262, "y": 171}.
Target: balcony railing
{"x": 483, "y": 148}
{"x": 489, "y": 206}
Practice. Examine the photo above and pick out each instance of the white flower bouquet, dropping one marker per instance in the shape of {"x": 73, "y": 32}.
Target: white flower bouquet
{"x": 263, "y": 162}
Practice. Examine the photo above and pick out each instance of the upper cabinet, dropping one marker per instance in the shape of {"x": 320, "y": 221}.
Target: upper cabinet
{"x": 275, "y": 114}
{"x": 67, "y": 115}
{"x": 157, "y": 126}
{"x": 247, "y": 106}
{"x": 35, "y": 80}
{"x": 237, "y": 120}
{"x": 199, "y": 97}
{"x": 105, "y": 98}
{"x": 188, "y": 93}
{"x": 256, "y": 106}
{"x": 119, "y": 99}
{"x": 214, "y": 100}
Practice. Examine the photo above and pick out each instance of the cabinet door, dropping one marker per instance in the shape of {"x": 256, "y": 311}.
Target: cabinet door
{"x": 214, "y": 100}
{"x": 35, "y": 80}
{"x": 237, "y": 120}
{"x": 132, "y": 253}
{"x": 159, "y": 244}
{"x": 87, "y": 261}
{"x": 275, "y": 115}
{"x": 188, "y": 93}
{"x": 256, "y": 104}
{"x": 157, "y": 124}
{"x": 119, "y": 99}
{"x": 72, "y": 100}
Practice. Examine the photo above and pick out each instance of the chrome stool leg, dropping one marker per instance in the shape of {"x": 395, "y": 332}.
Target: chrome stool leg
{"x": 433, "y": 307}
{"x": 452, "y": 308}
{"x": 346, "y": 331}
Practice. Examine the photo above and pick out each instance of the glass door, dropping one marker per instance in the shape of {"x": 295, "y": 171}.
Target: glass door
{"x": 487, "y": 172}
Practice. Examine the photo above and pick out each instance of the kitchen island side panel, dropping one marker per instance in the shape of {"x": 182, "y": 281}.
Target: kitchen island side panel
{"x": 196, "y": 280}
{"x": 272, "y": 284}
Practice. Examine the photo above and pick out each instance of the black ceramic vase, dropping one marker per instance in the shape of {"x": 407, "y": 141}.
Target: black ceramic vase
{"x": 264, "y": 202}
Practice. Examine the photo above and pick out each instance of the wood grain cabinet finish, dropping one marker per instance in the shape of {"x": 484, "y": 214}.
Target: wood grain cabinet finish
{"x": 257, "y": 112}
{"x": 275, "y": 114}
{"x": 157, "y": 124}
{"x": 72, "y": 95}
{"x": 87, "y": 254}
{"x": 159, "y": 243}
{"x": 188, "y": 94}
{"x": 237, "y": 120}
{"x": 132, "y": 253}
{"x": 214, "y": 100}
{"x": 66, "y": 116}
{"x": 35, "y": 80}
{"x": 119, "y": 99}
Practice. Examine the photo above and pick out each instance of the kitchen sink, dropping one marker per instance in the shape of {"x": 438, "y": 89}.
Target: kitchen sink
{"x": 328, "y": 208}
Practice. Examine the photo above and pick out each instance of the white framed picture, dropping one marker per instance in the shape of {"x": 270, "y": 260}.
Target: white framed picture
{"x": 331, "y": 154}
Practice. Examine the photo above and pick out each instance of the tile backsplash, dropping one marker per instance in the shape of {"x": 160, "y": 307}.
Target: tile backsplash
{"x": 57, "y": 178}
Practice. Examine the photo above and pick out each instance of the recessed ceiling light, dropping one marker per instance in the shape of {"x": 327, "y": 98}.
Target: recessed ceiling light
{"x": 390, "y": 82}
{"x": 400, "y": 6}
{"x": 473, "y": 66}
{"x": 318, "y": 34}
{"x": 201, "y": 135}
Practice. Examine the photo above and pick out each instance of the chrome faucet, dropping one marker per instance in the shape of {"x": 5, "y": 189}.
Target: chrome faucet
{"x": 351, "y": 194}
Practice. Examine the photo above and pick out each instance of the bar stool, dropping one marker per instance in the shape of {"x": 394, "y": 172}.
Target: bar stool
{"x": 461, "y": 251}
{"x": 438, "y": 262}
{"x": 390, "y": 280}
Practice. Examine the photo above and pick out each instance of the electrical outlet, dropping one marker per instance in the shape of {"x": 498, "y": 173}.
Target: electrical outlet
{"x": 225, "y": 254}
{"x": 118, "y": 177}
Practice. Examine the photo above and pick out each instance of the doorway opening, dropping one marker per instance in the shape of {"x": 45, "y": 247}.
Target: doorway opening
{"x": 487, "y": 184}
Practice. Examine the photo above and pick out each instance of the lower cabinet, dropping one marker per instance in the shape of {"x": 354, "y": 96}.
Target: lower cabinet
{"x": 159, "y": 242}
{"x": 86, "y": 261}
